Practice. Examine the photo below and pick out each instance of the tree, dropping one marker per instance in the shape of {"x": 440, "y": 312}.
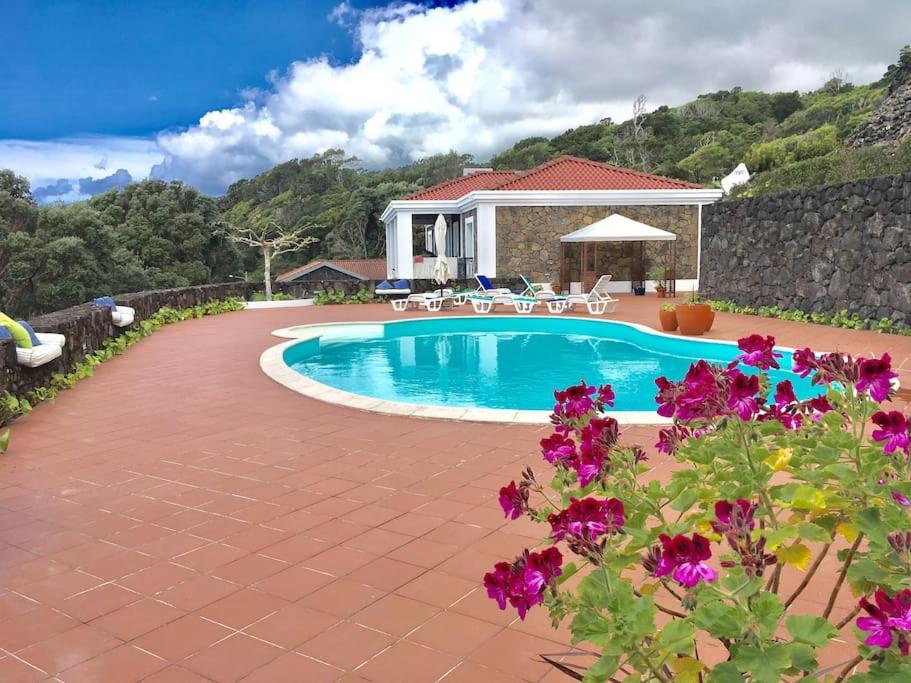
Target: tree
{"x": 266, "y": 234}
{"x": 784, "y": 104}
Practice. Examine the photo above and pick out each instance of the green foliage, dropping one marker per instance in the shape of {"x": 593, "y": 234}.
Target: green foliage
{"x": 709, "y": 570}
{"x": 840, "y": 165}
{"x": 324, "y": 298}
{"x": 843, "y": 319}
{"x": 147, "y": 235}
{"x": 277, "y": 296}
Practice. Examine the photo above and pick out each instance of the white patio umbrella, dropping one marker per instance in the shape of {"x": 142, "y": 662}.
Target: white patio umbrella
{"x": 441, "y": 269}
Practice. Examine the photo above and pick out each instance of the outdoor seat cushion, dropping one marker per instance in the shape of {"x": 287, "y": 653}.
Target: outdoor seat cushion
{"x": 5, "y": 334}
{"x": 123, "y": 316}
{"x": 105, "y": 302}
{"x": 385, "y": 284}
{"x": 17, "y": 332}
{"x": 401, "y": 284}
{"x": 39, "y": 355}
{"x": 31, "y": 333}
{"x": 51, "y": 338}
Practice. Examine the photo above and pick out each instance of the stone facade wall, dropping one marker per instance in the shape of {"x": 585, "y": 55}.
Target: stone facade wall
{"x": 819, "y": 250}
{"x": 528, "y": 239}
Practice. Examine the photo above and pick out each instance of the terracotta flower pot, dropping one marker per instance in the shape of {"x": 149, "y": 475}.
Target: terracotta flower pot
{"x": 711, "y": 319}
{"x": 694, "y": 319}
{"x": 668, "y": 320}
{"x": 660, "y": 291}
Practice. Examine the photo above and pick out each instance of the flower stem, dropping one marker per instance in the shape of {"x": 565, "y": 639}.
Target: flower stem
{"x": 842, "y": 575}
{"x": 809, "y": 575}
{"x": 853, "y": 613}
{"x": 847, "y": 670}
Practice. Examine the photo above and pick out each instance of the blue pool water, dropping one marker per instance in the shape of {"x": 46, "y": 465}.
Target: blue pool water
{"x": 504, "y": 362}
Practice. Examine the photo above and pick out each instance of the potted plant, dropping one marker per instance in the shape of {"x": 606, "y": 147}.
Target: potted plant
{"x": 668, "y": 317}
{"x": 694, "y": 317}
{"x": 656, "y": 273}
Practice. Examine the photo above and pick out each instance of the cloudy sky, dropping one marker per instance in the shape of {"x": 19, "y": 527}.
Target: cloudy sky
{"x": 95, "y": 93}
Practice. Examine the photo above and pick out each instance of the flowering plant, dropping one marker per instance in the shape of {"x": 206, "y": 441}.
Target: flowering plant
{"x": 766, "y": 527}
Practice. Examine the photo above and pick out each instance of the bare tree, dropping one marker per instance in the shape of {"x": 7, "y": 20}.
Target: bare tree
{"x": 640, "y": 134}
{"x": 272, "y": 240}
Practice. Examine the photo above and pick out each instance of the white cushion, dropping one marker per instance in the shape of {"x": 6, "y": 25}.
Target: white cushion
{"x": 38, "y": 355}
{"x": 123, "y": 316}
{"x": 51, "y": 338}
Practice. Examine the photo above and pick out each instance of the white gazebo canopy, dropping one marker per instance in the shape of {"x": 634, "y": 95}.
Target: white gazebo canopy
{"x": 617, "y": 228}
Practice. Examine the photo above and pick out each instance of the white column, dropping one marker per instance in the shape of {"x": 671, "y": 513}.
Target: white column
{"x": 390, "y": 248}
{"x": 486, "y": 230}
{"x": 404, "y": 246}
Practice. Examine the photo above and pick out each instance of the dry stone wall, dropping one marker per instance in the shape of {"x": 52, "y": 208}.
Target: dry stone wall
{"x": 818, "y": 250}
{"x": 528, "y": 238}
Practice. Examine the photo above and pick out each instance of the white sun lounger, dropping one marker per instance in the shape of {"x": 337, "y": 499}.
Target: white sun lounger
{"x": 485, "y": 304}
{"x": 597, "y": 301}
{"x": 485, "y": 287}
{"x": 539, "y": 290}
{"x": 432, "y": 301}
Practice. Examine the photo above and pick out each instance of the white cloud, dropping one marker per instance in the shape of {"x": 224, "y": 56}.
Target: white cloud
{"x": 479, "y": 76}
{"x": 47, "y": 161}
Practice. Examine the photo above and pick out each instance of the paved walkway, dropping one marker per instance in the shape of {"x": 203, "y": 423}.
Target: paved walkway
{"x": 180, "y": 517}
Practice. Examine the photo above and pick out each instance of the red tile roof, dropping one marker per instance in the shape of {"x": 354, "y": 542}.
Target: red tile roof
{"x": 562, "y": 173}
{"x": 367, "y": 268}
{"x": 573, "y": 173}
{"x": 459, "y": 187}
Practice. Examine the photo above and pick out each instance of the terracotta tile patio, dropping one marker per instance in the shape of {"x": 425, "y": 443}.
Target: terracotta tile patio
{"x": 180, "y": 517}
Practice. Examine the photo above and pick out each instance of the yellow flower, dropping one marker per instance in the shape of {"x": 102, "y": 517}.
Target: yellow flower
{"x": 780, "y": 459}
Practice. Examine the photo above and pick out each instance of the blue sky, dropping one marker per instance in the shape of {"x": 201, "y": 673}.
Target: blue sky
{"x": 135, "y": 68}
{"x": 94, "y": 94}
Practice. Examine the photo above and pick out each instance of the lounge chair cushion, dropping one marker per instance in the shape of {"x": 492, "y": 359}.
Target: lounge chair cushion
{"x": 385, "y": 284}
{"x": 105, "y": 302}
{"x": 39, "y": 355}
{"x": 51, "y": 338}
{"x": 31, "y": 333}
{"x": 4, "y": 334}
{"x": 123, "y": 316}
{"x": 485, "y": 281}
{"x": 401, "y": 284}
{"x": 17, "y": 332}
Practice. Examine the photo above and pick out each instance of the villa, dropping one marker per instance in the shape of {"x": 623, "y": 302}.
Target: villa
{"x": 508, "y": 223}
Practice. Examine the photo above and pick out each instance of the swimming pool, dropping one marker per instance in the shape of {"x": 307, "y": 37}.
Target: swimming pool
{"x": 500, "y": 363}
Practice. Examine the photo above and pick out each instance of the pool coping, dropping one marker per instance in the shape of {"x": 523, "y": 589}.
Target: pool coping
{"x": 272, "y": 363}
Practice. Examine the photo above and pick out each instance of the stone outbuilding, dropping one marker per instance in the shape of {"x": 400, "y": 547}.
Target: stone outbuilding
{"x": 506, "y": 223}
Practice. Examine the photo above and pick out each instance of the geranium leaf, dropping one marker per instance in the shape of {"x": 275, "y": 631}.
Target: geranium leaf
{"x": 677, "y": 637}
{"x": 811, "y": 630}
{"x": 797, "y": 555}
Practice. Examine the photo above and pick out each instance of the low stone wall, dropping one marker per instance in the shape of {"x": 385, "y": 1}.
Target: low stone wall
{"x": 86, "y": 326}
{"x": 818, "y": 250}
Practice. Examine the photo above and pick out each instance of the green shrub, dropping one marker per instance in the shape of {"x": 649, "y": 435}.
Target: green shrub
{"x": 325, "y": 298}
{"x": 276, "y": 296}
{"x": 843, "y": 319}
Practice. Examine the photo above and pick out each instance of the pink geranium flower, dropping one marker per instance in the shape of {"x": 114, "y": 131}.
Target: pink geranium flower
{"x": 890, "y": 617}
{"x": 803, "y": 362}
{"x": 558, "y": 449}
{"x": 523, "y": 583}
{"x": 742, "y": 396}
{"x": 513, "y": 500}
{"x": 685, "y": 559}
{"x": 734, "y": 517}
{"x": 893, "y": 430}
{"x": 758, "y": 351}
{"x": 875, "y": 376}
{"x": 587, "y": 519}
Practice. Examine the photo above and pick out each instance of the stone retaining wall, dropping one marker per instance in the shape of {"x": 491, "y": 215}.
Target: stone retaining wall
{"x": 818, "y": 250}
{"x": 87, "y": 326}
